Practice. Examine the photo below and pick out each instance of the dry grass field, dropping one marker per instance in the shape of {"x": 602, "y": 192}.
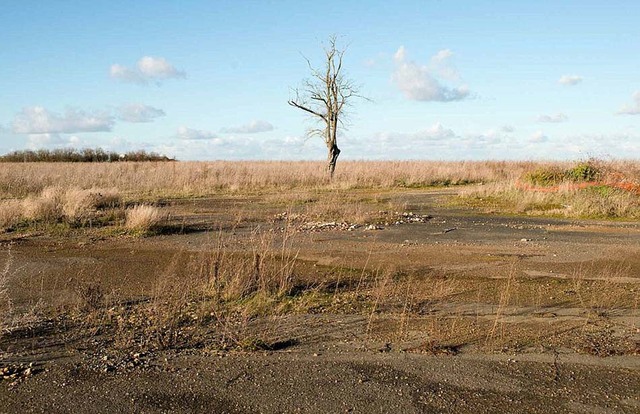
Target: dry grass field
{"x": 519, "y": 278}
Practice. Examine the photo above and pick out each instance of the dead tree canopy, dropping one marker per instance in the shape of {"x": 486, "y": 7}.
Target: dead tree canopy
{"x": 324, "y": 97}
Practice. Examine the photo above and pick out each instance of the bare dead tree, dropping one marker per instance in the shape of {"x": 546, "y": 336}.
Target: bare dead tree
{"x": 324, "y": 97}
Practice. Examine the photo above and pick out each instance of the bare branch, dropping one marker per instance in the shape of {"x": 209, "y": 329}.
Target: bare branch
{"x": 297, "y": 105}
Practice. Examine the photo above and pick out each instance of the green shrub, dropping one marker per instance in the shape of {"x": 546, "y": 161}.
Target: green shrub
{"x": 583, "y": 172}
{"x": 545, "y": 176}
{"x": 549, "y": 176}
{"x": 602, "y": 190}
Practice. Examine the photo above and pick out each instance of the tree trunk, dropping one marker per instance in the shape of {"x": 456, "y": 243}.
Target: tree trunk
{"x": 334, "y": 151}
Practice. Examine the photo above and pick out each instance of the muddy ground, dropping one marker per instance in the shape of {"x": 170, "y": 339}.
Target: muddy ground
{"x": 457, "y": 312}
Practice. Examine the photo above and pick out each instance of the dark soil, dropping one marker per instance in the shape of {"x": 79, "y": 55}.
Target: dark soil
{"x": 485, "y": 314}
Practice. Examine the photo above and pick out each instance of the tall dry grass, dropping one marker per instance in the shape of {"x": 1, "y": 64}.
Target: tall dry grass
{"x": 11, "y": 212}
{"x": 18, "y": 180}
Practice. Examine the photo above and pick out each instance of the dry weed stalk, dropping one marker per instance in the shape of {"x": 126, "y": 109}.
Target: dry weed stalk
{"x": 6, "y": 304}
{"x": 223, "y": 288}
{"x": 267, "y": 270}
{"x": 382, "y": 284}
{"x": 503, "y": 303}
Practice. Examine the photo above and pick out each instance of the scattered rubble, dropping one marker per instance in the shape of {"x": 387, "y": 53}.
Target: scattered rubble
{"x": 397, "y": 218}
{"x": 17, "y": 372}
{"x": 313, "y": 226}
{"x": 380, "y": 220}
{"x": 119, "y": 362}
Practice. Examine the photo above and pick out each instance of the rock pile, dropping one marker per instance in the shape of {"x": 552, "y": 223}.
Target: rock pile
{"x": 395, "y": 218}
{"x": 125, "y": 362}
{"x": 16, "y": 372}
{"x": 381, "y": 220}
{"x": 315, "y": 226}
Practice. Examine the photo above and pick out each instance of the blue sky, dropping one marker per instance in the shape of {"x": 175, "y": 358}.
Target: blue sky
{"x": 211, "y": 79}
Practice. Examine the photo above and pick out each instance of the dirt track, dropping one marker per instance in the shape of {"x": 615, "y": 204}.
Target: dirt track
{"x": 356, "y": 361}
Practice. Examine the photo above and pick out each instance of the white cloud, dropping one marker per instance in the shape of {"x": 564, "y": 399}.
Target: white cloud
{"x": 538, "y": 137}
{"x": 633, "y": 109}
{"x": 556, "y": 118}
{"x": 38, "y": 120}
{"x": 435, "y": 142}
{"x": 440, "y": 64}
{"x": 615, "y": 144}
{"x": 138, "y": 113}
{"x": 570, "y": 80}
{"x": 39, "y": 141}
{"x": 436, "y": 132}
{"x": 158, "y": 67}
{"x": 252, "y": 127}
{"x": 507, "y": 128}
{"x": 400, "y": 55}
{"x": 148, "y": 69}
{"x": 420, "y": 83}
{"x": 190, "y": 134}
{"x": 247, "y": 148}
{"x": 125, "y": 74}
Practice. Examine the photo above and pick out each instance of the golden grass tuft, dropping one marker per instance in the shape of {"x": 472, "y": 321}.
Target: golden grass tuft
{"x": 47, "y": 207}
{"x": 82, "y": 204}
{"x": 10, "y": 213}
{"x": 56, "y": 203}
{"x": 144, "y": 217}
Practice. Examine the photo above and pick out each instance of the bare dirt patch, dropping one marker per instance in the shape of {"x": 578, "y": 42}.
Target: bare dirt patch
{"x": 455, "y": 312}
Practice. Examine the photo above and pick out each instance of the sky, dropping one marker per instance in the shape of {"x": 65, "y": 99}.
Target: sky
{"x": 210, "y": 80}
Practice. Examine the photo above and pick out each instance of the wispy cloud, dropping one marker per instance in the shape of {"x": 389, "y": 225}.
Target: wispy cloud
{"x": 38, "y": 141}
{"x": 507, "y": 129}
{"x": 38, "y": 120}
{"x": 148, "y": 69}
{"x": 570, "y": 80}
{"x": 555, "y": 118}
{"x": 633, "y": 109}
{"x": 421, "y": 83}
{"x": 436, "y": 132}
{"x": 252, "y": 127}
{"x": 138, "y": 113}
{"x": 190, "y": 134}
{"x": 538, "y": 137}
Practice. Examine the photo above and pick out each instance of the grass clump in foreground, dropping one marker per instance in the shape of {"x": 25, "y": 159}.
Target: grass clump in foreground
{"x": 144, "y": 218}
{"x": 73, "y": 206}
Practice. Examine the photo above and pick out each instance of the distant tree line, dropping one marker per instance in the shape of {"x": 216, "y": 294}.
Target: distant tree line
{"x": 81, "y": 155}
